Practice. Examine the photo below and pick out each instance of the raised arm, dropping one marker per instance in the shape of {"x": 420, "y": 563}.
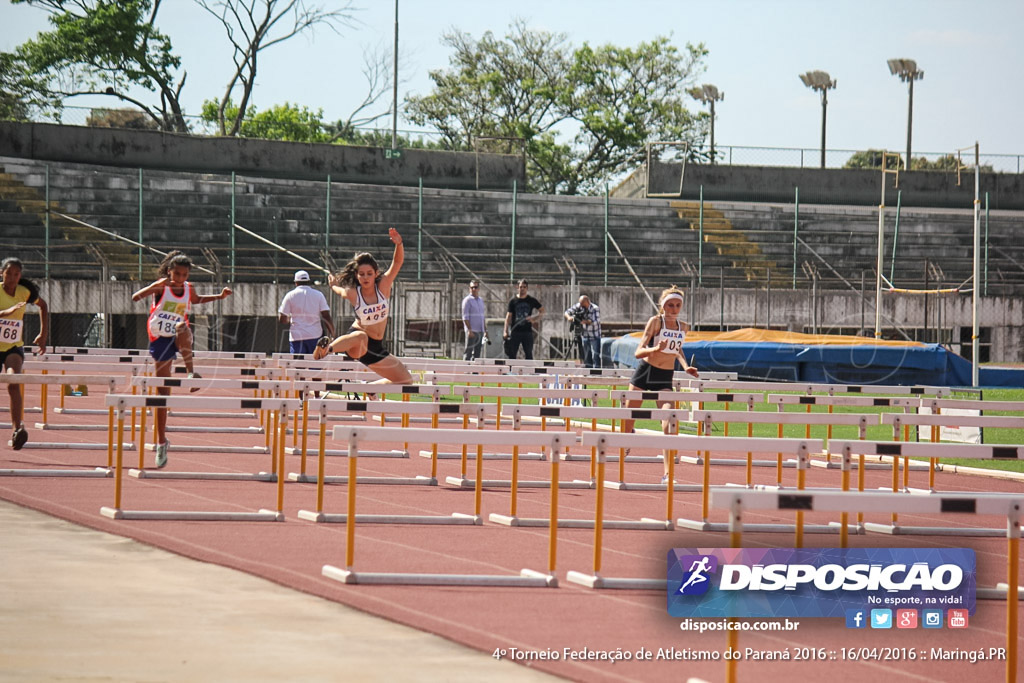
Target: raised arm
{"x": 207, "y": 298}
{"x": 396, "y": 262}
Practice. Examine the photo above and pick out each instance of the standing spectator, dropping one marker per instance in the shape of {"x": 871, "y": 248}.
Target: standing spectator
{"x": 585, "y": 325}
{"x": 474, "y": 320}
{"x": 305, "y": 309}
{"x": 16, "y": 293}
{"x": 519, "y": 322}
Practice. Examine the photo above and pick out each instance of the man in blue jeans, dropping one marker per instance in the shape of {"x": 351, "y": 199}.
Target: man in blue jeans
{"x": 585, "y": 325}
{"x": 519, "y": 322}
{"x": 306, "y": 312}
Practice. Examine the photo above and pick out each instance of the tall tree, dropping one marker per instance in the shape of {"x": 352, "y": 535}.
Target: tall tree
{"x": 252, "y": 27}
{"x": 583, "y": 114}
{"x": 107, "y": 47}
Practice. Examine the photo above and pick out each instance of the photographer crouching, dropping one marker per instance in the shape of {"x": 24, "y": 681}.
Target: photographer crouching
{"x": 585, "y": 326}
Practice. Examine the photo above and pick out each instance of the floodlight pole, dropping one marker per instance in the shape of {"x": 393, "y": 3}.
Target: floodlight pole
{"x": 824, "y": 112}
{"x": 712, "y": 103}
{"x": 910, "y": 119}
{"x": 906, "y": 70}
{"x": 394, "y": 88}
{"x": 822, "y": 82}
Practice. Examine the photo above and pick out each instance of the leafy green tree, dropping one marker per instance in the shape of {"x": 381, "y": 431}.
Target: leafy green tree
{"x": 114, "y": 48}
{"x": 582, "y": 114}
{"x": 289, "y": 122}
{"x": 107, "y": 47}
{"x": 872, "y": 158}
{"x": 21, "y": 94}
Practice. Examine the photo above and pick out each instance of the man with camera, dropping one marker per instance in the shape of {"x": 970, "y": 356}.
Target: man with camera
{"x": 585, "y": 325}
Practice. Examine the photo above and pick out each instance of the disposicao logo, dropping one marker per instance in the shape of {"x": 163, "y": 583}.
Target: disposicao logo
{"x": 818, "y": 582}
{"x": 697, "y": 580}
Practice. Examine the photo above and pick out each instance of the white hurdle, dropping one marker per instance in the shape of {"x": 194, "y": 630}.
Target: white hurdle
{"x": 121, "y": 403}
{"x": 43, "y": 381}
{"x": 433, "y": 410}
{"x": 354, "y": 436}
{"x": 606, "y": 442}
{"x": 938, "y": 451}
{"x": 568, "y": 413}
{"x": 739, "y": 501}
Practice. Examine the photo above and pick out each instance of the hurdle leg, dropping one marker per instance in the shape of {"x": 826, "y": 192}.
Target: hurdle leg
{"x": 118, "y": 468}
{"x": 778, "y": 466}
{"x": 273, "y": 449}
{"x": 350, "y": 521}
{"x": 322, "y": 422}
{"x": 515, "y": 479}
{"x": 750, "y": 458}
{"x": 133, "y": 413}
{"x": 860, "y": 484}
{"x": 295, "y": 421}
{"x": 279, "y": 455}
{"x": 801, "y": 480}
{"x": 844, "y": 535}
{"x": 110, "y": 437}
{"x": 735, "y": 541}
{"x": 1013, "y": 560}
{"x": 433, "y": 449}
{"x": 465, "y": 425}
{"x": 43, "y": 395}
{"x": 142, "y": 437}
{"x": 599, "y": 512}
{"x": 478, "y": 489}
{"x": 553, "y": 524}
{"x": 705, "y": 499}
{"x": 305, "y": 434}
{"x": 593, "y": 452}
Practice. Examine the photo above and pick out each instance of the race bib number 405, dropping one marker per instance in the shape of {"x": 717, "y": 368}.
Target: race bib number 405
{"x": 10, "y": 330}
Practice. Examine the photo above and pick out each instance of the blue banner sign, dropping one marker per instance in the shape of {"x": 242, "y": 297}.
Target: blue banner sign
{"x": 817, "y": 582}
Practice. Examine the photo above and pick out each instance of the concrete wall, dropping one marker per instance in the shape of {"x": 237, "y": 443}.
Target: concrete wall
{"x": 622, "y": 309}
{"x": 826, "y": 186}
{"x": 344, "y": 163}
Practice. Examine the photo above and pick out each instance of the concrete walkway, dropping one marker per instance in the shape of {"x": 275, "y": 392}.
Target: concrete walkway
{"x": 82, "y": 605}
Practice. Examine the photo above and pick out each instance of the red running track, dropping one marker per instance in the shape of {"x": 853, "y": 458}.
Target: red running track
{"x": 533, "y": 620}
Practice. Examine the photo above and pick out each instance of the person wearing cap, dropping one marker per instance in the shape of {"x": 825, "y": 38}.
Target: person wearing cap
{"x": 306, "y": 311}
{"x": 660, "y": 351}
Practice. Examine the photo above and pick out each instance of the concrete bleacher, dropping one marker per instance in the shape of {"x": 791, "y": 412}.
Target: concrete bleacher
{"x": 742, "y": 243}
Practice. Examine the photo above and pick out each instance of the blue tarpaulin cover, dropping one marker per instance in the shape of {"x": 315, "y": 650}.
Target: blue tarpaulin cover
{"x": 830, "y": 359}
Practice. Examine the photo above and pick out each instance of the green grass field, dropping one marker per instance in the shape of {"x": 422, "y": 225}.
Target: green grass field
{"x": 876, "y": 432}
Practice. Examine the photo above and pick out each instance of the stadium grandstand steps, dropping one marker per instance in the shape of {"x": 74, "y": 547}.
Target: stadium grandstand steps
{"x": 660, "y": 238}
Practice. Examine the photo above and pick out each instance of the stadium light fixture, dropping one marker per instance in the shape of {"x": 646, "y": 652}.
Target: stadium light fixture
{"x": 908, "y": 72}
{"x": 708, "y": 94}
{"x": 821, "y": 82}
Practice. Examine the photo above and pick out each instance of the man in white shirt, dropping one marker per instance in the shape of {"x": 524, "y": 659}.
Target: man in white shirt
{"x": 474, "y": 320}
{"x": 305, "y": 309}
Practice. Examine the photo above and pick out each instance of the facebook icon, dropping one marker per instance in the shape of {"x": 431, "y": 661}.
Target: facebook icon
{"x": 856, "y": 618}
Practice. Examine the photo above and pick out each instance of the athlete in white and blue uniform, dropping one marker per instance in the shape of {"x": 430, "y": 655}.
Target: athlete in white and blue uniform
{"x": 659, "y": 352}
{"x": 367, "y": 289}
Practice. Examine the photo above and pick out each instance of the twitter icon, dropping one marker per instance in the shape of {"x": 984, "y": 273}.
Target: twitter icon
{"x": 881, "y": 618}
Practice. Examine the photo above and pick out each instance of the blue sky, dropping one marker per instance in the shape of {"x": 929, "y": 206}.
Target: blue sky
{"x": 971, "y": 52}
